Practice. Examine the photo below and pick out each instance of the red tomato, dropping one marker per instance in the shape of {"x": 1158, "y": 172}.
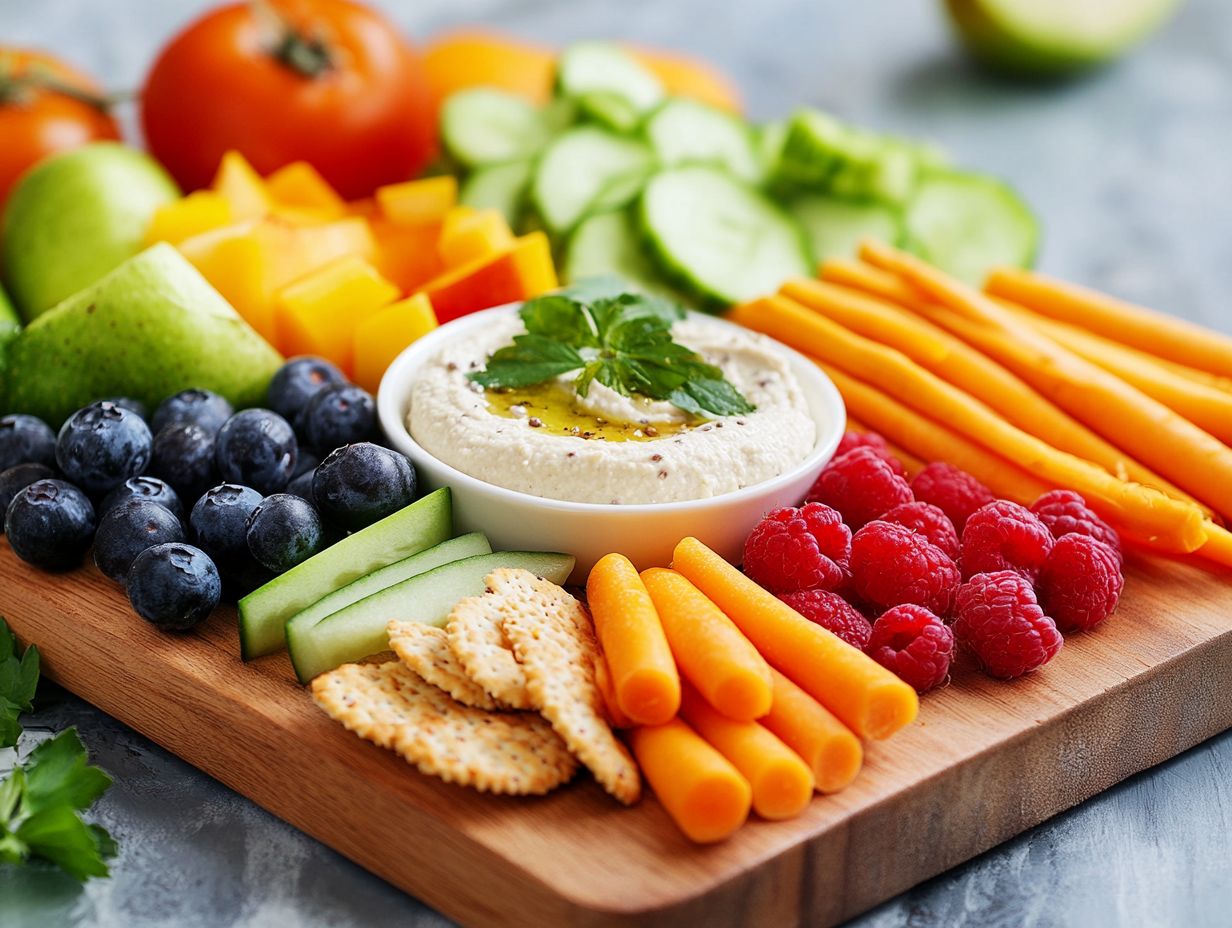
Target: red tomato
{"x": 45, "y": 107}
{"x": 327, "y": 81}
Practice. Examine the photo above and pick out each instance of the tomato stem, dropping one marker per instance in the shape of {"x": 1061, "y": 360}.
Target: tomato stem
{"x": 306, "y": 54}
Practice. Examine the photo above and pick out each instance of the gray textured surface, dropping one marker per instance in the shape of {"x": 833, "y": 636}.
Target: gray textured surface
{"x": 1130, "y": 172}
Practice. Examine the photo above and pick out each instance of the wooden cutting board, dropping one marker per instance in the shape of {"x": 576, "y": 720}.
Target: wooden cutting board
{"x": 985, "y": 761}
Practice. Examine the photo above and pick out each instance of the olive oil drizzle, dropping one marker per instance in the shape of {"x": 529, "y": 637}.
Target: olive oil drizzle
{"x": 552, "y": 408}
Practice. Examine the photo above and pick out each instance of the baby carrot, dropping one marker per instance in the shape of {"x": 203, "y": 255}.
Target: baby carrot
{"x": 810, "y": 729}
{"x": 781, "y": 781}
{"x": 603, "y": 681}
{"x": 643, "y": 672}
{"x": 1153, "y": 332}
{"x": 710, "y": 650}
{"x": 697, "y": 786}
{"x": 869, "y": 699}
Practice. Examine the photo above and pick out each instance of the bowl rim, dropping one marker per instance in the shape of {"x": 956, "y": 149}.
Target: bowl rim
{"x": 391, "y": 412}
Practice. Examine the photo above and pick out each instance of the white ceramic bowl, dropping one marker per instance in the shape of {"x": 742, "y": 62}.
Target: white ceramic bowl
{"x": 646, "y": 533}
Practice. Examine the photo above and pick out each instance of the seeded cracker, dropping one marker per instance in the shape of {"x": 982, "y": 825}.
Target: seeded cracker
{"x": 553, "y": 637}
{"x": 495, "y": 752}
{"x": 425, "y": 649}
{"x": 477, "y": 638}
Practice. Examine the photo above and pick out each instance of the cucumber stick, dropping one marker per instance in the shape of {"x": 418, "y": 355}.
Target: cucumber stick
{"x": 684, "y": 131}
{"x": 967, "y": 223}
{"x": 721, "y": 238}
{"x": 358, "y": 631}
{"x": 577, "y": 167}
{"x": 597, "y": 74}
{"x": 485, "y": 126}
{"x": 834, "y": 227}
{"x": 264, "y": 612}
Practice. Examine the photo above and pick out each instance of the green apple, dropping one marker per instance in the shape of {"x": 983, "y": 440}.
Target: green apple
{"x": 74, "y": 217}
{"x": 151, "y": 327}
{"x": 1052, "y": 38}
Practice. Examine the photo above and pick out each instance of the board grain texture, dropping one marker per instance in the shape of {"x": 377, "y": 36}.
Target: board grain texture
{"x": 985, "y": 761}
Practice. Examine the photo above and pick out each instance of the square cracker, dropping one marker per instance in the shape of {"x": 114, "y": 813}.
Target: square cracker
{"x": 514, "y": 753}
{"x": 425, "y": 649}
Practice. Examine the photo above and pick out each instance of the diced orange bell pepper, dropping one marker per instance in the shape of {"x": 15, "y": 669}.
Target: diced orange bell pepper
{"x": 384, "y": 335}
{"x": 481, "y": 234}
{"x": 196, "y": 213}
{"x": 301, "y": 187}
{"x": 318, "y": 313}
{"x": 523, "y": 271}
{"x": 240, "y": 184}
{"x": 418, "y": 202}
{"x": 407, "y": 255}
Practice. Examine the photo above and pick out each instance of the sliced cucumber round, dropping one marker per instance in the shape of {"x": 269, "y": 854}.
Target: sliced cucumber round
{"x": 967, "y": 223}
{"x": 501, "y": 187}
{"x": 834, "y": 227}
{"x": 606, "y": 244}
{"x": 685, "y": 132}
{"x": 587, "y": 68}
{"x": 722, "y": 238}
{"x": 577, "y": 167}
{"x": 485, "y": 126}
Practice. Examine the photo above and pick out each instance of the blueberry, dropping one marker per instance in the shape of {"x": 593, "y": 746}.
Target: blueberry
{"x": 301, "y": 486}
{"x": 361, "y": 484}
{"x": 304, "y": 462}
{"x": 50, "y": 524}
{"x": 339, "y": 415}
{"x": 183, "y": 456}
{"x": 16, "y": 479}
{"x": 192, "y": 407}
{"x": 127, "y": 530}
{"x": 219, "y": 521}
{"x": 26, "y": 440}
{"x": 297, "y": 382}
{"x": 174, "y": 586}
{"x": 257, "y": 448}
{"x": 283, "y": 531}
{"x": 143, "y": 488}
{"x": 101, "y": 446}
{"x": 130, "y": 404}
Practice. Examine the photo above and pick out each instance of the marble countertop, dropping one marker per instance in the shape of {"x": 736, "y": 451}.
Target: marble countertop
{"x": 1129, "y": 170}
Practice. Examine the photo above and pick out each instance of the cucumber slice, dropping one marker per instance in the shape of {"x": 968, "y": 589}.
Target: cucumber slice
{"x": 264, "y": 612}
{"x": 768, "y": 143}
{"x": 814, "y": 145}
{"x": 821, "y": 154}
{"x": 685, "y": 132}
{"x": 610, "y": 110}
{"x": 501, "y": 187}
{"x": 967, "y": 223}
{"x": 358, "y": 631}
{"x": 606, "y": 244}
{"x": 722, "y": 238}
{"x": 576, "y": 168}
{"x": 485, "y": 126}
{"x": 835, "y": 227}
{"x": 588, "y": 68}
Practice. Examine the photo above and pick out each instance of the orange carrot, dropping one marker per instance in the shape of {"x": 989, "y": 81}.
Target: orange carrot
{"x": 1218, "y": 547}
{"x": 643, "y": 672}
{"x": 1145, "y": 329}
{"x": 710, "y": 650}
{"x": 1173, "y": 524}
{"x": 933, "y": 441}
{"x": 911, "y": 464}
{"x": 697, "y": 786}
{"x": 810, "y": 729}
{"x": 1180, "y": 451}
{"x": 869, "y": 699}
{"x": 782, "y": 783}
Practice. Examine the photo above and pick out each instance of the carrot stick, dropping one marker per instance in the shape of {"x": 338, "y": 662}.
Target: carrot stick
{"x": 1173, "y": 524}
{"x": 611, "y": 705}
{"x": 1145, "y": 329}
{"x": 810, "y": 729}
{"x": 781, "y": 781}
{"x": 697, "y": 786}
{"x": 911, "y": 464}
{"x": 643, "y": 672}
{"x": 933, "y": 441}
{"x": 710, "y": 650}
{"x": 870, "y": 700}
{"x": 1180, "y": 451}
{"x": 1218, "y": 547}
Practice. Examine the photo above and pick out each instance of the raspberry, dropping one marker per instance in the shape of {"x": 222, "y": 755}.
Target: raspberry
{"x": 955, "y": 492}
{"x": 831, "y": 612}
{"x": 929, "y": 521}
{"x": 861, "y": 486}
{"x": 1004, "y": 536}
{"x": 875, "y": 443}
{"x": 1080, "y": 582}
{"x": 1065, "y": 512}
{"x": 798, "y": 549}
{"x": 891, "y": 564}
{"x": 914, "y": 645}
{"x": 1000, "y": 621}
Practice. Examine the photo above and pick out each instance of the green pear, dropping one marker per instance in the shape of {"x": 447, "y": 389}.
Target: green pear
{"x": 74, "y": 217}
{"x": 10, "y": 325}
{"x": 1053, "y": 38}
{"x": 150, "y": 328}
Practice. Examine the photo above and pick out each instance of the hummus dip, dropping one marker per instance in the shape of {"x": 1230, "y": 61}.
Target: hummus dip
{"x": 547, "y": 441}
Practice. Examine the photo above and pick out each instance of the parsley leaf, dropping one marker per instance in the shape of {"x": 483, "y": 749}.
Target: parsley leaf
{"x": 622, "y": 340}
{"x": 18, "y": 679}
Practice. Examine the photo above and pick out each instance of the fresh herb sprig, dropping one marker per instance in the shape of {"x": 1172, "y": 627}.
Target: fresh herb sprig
{"x": 41, "y": 800}
{"x": 624, "y": 342}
